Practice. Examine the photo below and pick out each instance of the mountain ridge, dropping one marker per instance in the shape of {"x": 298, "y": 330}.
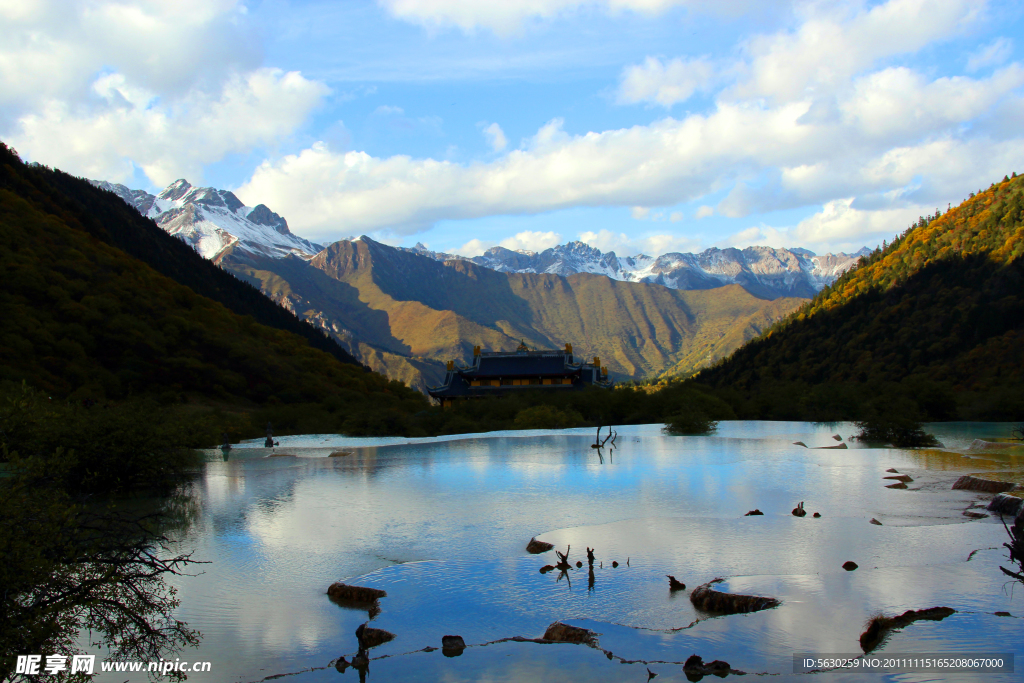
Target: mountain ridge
{"x": 431, "y": 311}
{"x": 216, "y": 223}
{"x": 764, "y": 271}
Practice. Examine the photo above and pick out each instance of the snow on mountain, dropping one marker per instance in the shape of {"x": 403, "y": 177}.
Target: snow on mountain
{"x": 215, "y": 222}
{"x": 765, "y": 271}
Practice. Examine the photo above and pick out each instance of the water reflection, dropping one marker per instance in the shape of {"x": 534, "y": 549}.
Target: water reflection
{"x": 442, "y": 525}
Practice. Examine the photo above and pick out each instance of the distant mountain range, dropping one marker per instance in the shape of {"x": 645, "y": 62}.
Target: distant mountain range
{"x": 216, "y": 223}
{"x": 763, "y": 271}
{"x": 404, "y": 311}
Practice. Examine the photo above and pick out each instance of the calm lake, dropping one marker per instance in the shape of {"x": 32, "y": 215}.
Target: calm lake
{"x": 442, "y": 525}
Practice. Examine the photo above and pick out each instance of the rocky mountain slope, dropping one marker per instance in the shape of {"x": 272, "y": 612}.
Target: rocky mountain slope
{"x": 404, "y": 312}
{"x": 763, "y": 271}
{"x": 412, "y": 307}
{"x": 215, "y": 222}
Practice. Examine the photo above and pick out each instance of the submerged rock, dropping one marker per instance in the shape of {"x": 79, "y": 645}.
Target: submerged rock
{"x": 705, "y": 598}
{"x": 875, "y": 521}
{"x": 343, "y": 592}
{"x": 816, "y": 515}
{"x": 339, "y": 454}
{"x": 535, "y": 547}
{"x": 901, "y": 477}
{"x": 452, "y": 646}
{"x": 1006, "y": 505}
{"x": 564, "y": 633}
{"x": 897, "y": 485}
{"x": 894, "y": 471}
{"x": 880, "y": 626}
{"x": 372, "y": 637}
{"x": 753, "y": 513}
{"x": 695, "y": 668}
{"x": 969, "y": 483}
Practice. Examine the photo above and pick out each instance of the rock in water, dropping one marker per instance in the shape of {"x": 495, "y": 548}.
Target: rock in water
{"x": 535, "y": 547}
{"x": 343, "y": 591}
{"x": 675, "y": 584}
{"x": 753, "y": 513}
{"x": 799, "y": 511}
{"x": 564, "y": 633}
{"x": 880, "y": 626}
{"x": 372, "y": 637}
{"x": 1006, "y": 504}
{"x": 695, "y": 668}
{"x": 969, "y": 483}
{"x": 705, "y": 598}
{"x": 849, "y": 565}
{"x": 452, "y": 645}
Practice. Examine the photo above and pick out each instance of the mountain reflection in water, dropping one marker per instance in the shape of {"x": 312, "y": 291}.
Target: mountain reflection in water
{"x": 441, "y": 525}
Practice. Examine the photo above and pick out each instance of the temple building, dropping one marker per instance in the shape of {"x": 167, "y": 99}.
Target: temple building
{"x": 498, "y": 373}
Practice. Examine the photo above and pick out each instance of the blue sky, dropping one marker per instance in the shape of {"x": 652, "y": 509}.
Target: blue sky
{"x": 634, "y": 125}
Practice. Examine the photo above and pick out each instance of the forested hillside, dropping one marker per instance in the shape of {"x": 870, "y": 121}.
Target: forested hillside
{"x": 95, "y": 212}
{"x": 933, "y": 322}
{"x": 85, "y": 320}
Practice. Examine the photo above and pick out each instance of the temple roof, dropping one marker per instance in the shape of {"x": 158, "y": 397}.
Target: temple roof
{"x": 521, "y": 365}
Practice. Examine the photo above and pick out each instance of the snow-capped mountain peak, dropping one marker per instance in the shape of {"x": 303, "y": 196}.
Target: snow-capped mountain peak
{"x": 216, "y": 222}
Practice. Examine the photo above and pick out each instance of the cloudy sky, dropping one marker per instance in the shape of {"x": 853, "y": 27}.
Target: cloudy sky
{"x": 633, "y": 125}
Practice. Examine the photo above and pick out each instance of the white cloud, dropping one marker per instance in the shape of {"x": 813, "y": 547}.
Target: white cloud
{"x": 474, "y": 247}
{"x": 838, "y": 41}
{"x": 664, "y": 83}
{"x": 101, "y": 88}
{"x": 816, "y": 128}
{"x": 661, "y": 164}
{"x": 495, "y": 137}
{"x": 168, "y": 140}
{"x": 898, "y": 102}
{"x": 53, "y": 49}
{"x": 839, "y": 223}
{"x": 532, "y": 241}
{"x": 704, "y": 211}
{"x": 993, "y": 54}
{"x": 675, "y": 216}
{"x": 388, "y": 110}
{"x": 640, "y": 213}
{"x": 508, "y": 16}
